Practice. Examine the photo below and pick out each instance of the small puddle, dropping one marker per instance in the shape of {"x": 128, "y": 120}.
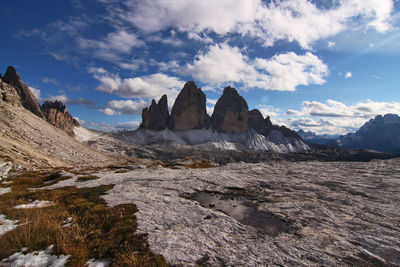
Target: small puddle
{"x": 243, "y": 210}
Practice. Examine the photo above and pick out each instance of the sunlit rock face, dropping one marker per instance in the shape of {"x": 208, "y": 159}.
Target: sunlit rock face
{"x": 156, "y": 116}
{"x": 189, "y": 110}
{"x": 57, "y": 114}
{"x": 230, "y": 113}
{"x": 27, "y": 99}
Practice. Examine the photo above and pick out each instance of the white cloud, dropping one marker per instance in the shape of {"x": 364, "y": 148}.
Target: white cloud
{"x": 348, "y": 75}
{"x": 150, "y": 86}
{"x": 112, "y": 46}
{"x": 267, "y": 110}
{"x": 36, "y": 93}
{"x": 50, "y": 80}
{"x": 284, "y": 72}
{"x": 292, "y": 20}
{"x": 124, "y": 107}
{"x": 335, "y": 117}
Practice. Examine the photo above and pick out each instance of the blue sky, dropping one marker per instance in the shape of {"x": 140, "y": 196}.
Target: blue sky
{"x": 324, "y": 66}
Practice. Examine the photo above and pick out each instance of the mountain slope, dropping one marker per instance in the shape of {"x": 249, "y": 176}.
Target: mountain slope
{"x": 381, "y": 134}
{"x": 29, "y": 141}
{"x": 250, "y": 140}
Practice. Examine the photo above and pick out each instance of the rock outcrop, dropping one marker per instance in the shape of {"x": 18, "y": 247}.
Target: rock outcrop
{"x": 258, "y": 123}
{"x": 156, "y": 116}
{"x": 27, "y": 99}
{"x": 57, "y": 114}
{"x": 230, "y": 113}
{"x": 189, "y": 111}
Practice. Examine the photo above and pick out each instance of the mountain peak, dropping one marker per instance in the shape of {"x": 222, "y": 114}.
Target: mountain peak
{"x": 28, "y": 100}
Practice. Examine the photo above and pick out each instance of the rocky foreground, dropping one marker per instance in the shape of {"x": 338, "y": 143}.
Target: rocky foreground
{"x": 276, "y": 213}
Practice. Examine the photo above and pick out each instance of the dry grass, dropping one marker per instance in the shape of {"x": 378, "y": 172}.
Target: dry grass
{"x": 97, "y": 231}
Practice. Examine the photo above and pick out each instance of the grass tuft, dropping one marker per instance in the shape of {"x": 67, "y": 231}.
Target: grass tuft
{"x": 96, "y": 231}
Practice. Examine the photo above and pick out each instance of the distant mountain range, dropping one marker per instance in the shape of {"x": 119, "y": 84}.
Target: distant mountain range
{"x": 380, "y": 134}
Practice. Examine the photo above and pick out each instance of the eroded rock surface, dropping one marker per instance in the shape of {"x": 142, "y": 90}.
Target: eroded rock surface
{"x": 27, "y": 99}
{"x": 258, "y": 123}
{"x": 230, "y": 113}
{"x": 156, "y": 116}
{"x": 189, "y": 110}
{"x": 336, "y": 213}
{"x": 57, "y": 114}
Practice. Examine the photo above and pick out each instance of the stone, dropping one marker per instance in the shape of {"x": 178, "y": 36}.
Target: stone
{"x": 156, "y": 116}
{"x": 230, "y": 113}
{"x": 286, "y": 131}
{"x": 258, "y": 123}
{"x": 57, "y": 114}
{"x": 28, "y": 100}
{"x": 189, "y": 111}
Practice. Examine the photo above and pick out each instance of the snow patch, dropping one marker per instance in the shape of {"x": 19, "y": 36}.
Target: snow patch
{"x": 36, "y": 259}
{"x": 4, "y": 190}
{"x": 6, "y": 225}
{"x": 35, "y": 204}
{"x": 276, "y": 141}
{"x": 5, "y": 167}
{"x": 83, "y": 134}
{"x": 97, "y": 263}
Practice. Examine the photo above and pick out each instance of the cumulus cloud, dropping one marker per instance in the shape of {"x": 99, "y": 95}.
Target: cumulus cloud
{"x": 268, "y": 110}
{"x": 36, "y": 93}
{"x": 292, "y": 20}
{"x": 348, "y": 75}
{"x": 336, "y": 117}
{"x": 149, "y": 86}
{"x": 124, "y": 107}
{"x": 284, "y": 72}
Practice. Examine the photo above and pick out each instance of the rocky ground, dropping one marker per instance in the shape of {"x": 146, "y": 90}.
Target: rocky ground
{"x": 29, "y": 142}
{"x": 302, "y": 213}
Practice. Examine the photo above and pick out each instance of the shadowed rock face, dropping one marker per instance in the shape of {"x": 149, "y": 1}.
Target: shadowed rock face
{"x": 230, "y": 113}
{"x": 57, "y": 114}
{"x": 189, "y": 110}
{"x": 156, "y": 116}
{"x": 28, "y": 100}
{"x": 258, "y": 123}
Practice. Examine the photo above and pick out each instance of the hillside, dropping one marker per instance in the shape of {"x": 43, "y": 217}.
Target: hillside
{"x": 30, "y": 142}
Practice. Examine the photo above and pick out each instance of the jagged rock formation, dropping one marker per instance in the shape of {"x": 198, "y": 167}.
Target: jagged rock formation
{"x": 156, "y": 116}
{"x": 258, "y": 123}
{"x": 286, "y": 131}
{"x": 381, "y": 134}
{"x": 28, "y": 100}
{"x": 57, "y": 114}
{"x": 9, "y": 95}
{"x": 189, "y": 110}
{"x": 230, "y": 113}
{"x": 234, "y": 127}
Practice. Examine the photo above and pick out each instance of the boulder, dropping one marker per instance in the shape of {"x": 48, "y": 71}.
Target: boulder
{"x": 57, "y": 114}
{"x": 258, "y": 123}
{"x": 230, "y": 113}
{"x": 189, "y": 111}
{"x": 156, "y": 116}
{"x": 27, "y": 99}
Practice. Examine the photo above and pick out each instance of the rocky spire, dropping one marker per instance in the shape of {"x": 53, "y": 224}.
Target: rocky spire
{"x": 156, "y": 116}
{"x": 57, "y": 114}
{"x": 189, "y": 110}
{"x": 258, "y": 123}
{"x": 28, "y": 100}
{"x": 230, "y": 113}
